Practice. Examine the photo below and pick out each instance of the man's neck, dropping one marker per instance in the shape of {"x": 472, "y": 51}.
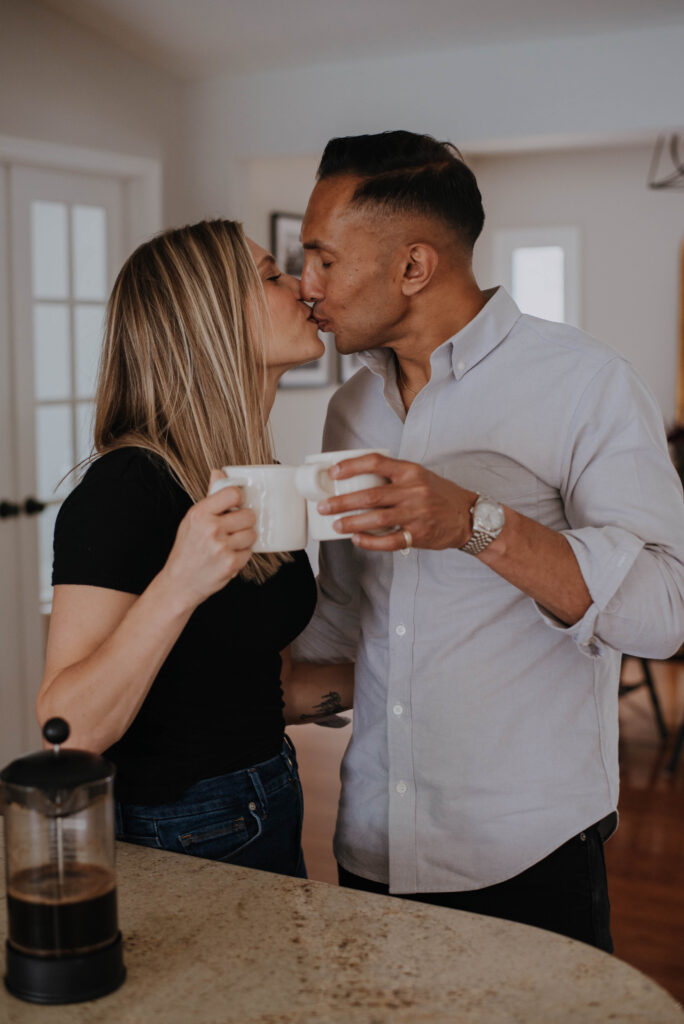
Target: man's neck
{"x": 442, "y": 315}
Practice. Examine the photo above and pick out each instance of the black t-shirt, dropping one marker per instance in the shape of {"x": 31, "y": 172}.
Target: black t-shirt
{"x": 216, "y": 703}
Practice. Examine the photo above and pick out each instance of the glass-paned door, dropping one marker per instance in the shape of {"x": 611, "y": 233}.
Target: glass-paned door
{"x": 66, "y": 231}
{"x": 69, "y": 286}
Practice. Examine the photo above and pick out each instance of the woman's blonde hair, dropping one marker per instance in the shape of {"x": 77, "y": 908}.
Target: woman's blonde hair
{"x": 182, "y": 368}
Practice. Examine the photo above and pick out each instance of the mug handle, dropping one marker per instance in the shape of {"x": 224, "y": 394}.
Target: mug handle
{"x": 312, "y": 481}
{"x": 218, "y": 485}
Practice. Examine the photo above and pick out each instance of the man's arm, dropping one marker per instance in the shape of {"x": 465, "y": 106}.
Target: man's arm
{"x": 314, "y": 692}
{"x": 617, "y": 572}
{"x": 436, "y": 511}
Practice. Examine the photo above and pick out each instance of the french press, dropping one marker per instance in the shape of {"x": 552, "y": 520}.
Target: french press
{"x": 64, "y": 944}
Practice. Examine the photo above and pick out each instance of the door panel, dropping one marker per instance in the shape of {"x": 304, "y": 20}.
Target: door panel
{"x": 66, "y": 247}
{"x": 12, "y": 704}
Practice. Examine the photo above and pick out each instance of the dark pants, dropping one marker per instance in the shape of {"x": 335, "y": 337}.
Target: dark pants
{"x": 252, "y": 818}
{"x": 565, "y": 892}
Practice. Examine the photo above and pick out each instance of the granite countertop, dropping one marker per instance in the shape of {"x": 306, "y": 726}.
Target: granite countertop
{"x": 209, "y": 943}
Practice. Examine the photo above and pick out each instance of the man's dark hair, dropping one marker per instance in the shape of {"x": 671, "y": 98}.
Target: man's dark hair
{"x": 408, "y": 173}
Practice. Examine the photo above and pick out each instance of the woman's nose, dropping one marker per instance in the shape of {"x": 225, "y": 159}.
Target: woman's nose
{"x": 293, "y": 284}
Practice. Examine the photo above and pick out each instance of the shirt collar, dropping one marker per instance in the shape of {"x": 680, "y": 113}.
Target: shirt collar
{"x": 465, "y": 348}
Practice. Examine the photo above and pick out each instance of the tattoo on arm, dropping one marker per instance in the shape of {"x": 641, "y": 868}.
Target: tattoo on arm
{"x": 329, "y": 705}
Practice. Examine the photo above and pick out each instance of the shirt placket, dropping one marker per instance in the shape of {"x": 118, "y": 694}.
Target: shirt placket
{"x": 401, "y": 643}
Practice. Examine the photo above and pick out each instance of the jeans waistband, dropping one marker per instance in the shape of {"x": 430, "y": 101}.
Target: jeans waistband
{"x": 274, "y": 768}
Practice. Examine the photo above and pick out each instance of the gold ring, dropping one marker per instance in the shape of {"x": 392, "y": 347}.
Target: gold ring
{"x": 408, "y": 539}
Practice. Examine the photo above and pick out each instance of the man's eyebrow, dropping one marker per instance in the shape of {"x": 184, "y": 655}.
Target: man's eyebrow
{"x": 316, "y": 243}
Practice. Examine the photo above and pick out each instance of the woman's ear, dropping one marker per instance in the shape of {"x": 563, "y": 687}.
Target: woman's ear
{"x": 419, "y": 268}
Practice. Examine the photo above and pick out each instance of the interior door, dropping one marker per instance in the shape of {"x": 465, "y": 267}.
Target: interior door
{"x": 66, "y": 245}
{"x": 12, "y": 704}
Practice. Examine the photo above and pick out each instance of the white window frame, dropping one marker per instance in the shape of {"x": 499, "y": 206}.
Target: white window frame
{"x": 507, "y": 240}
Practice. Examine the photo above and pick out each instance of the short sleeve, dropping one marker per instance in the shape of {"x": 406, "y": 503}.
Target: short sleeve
{"x": 117, "y": 527}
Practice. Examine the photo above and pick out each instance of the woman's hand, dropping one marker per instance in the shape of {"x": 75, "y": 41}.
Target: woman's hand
{"x": 213, "y": 544}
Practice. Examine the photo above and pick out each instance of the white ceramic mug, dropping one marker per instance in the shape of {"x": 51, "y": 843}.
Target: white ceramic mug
{"x": 314, "y": 482}
{"x": 280, "y": 509}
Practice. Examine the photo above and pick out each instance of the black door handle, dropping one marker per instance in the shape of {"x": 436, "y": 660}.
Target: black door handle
{"x": 8, "y": 509}
{"x": 32, "y": 506}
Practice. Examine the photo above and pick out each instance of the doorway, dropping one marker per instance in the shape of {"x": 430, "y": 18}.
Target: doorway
{"x": 64, "y": 232}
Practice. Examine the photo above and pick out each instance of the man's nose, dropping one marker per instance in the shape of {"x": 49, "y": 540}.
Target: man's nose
{"x": 309, "y": 287}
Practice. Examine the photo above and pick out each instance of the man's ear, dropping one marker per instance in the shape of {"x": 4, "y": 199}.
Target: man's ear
{"x": 421, "y": 263}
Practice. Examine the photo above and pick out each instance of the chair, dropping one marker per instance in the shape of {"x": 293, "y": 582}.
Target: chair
{"x": 677, "y": 749}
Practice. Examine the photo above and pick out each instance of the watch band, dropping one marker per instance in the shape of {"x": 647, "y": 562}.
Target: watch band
{"x": 478, "y": 542}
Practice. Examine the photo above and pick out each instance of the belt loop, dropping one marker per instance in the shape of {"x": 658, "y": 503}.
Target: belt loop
{"x": 292, "y": 759}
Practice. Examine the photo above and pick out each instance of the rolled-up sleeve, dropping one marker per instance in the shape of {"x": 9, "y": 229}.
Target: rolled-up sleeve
{"x": 625, "y": 510}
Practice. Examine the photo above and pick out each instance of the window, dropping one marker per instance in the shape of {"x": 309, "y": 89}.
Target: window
{"x": 540, "y": 268}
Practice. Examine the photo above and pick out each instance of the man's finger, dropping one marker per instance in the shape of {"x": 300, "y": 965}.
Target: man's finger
{"x": 383, "y": 465}
{"x": 368, "y": 522}
{"x": 394, "y": 541}
{"x": 384, "y": 496}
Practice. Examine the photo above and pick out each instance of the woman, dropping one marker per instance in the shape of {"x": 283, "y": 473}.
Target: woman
{"x": 164, "y": 641}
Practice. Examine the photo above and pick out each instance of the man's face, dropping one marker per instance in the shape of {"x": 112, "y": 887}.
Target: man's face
{"x": 352, "y": 272}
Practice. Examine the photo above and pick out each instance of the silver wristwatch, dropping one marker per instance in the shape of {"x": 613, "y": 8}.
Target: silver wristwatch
{"x": 488, "y": 522}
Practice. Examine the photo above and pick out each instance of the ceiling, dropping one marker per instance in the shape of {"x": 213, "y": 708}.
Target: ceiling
{"x": 196, "y": 39}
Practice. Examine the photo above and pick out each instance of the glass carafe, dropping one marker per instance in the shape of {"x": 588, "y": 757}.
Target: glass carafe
{"x": 64, "y": 943}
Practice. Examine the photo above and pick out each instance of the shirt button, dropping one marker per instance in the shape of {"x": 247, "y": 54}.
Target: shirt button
{"x": 405, "y": 552}
{"x": 251, "y": 805}
{"x": 401, "y": 787}
{"x": 400, "y": 630}
{"x": 460, "y": 366}
{"x": 398, "y": 709}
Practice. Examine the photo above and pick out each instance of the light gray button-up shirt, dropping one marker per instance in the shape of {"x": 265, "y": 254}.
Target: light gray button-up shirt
{"x": 485, "y": 731}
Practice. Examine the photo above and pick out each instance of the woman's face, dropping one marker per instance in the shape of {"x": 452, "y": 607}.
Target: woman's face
{"x": 294, "y": 338}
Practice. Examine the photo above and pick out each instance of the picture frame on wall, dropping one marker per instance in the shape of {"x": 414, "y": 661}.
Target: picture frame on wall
{"x": 287, "y": 249}
{"x": 320, "y": 373}
{"x": 286, "y": 243}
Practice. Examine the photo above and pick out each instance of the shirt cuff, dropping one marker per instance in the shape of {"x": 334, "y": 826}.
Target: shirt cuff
{"x": 582, "y": 632}
{"x": 605, "y": 555}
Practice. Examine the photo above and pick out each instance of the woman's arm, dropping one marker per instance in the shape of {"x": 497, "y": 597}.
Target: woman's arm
{"x": 106, "y": 647}
{"x": 313, "y": 692}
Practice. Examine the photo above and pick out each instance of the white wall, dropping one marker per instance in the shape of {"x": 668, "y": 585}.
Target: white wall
{"x": 254, "y": 140}
{"x": 630, "y": 238}
{"x": 487, "y": 98}
{"x": 61, "y": 83}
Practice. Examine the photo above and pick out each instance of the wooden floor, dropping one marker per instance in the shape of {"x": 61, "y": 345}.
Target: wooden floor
{"x": 645, "y": 857}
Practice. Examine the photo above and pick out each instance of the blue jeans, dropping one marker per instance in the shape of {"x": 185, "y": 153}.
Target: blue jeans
{"x": 251, "y": 817}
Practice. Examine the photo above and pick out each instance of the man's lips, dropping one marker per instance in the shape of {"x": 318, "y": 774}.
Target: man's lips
{"x": 321, "y": 321}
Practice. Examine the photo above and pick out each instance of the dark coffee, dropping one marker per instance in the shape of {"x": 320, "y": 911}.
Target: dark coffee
{"x": 69, "y": 914}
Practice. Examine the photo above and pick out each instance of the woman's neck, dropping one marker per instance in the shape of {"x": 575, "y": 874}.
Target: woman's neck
{"x": 270, "y": 388}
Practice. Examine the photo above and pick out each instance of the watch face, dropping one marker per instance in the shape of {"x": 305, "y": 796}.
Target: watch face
{"x": 490, "y": 515}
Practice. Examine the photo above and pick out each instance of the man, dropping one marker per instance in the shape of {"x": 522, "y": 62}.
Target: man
{"x": 541, "y": 533}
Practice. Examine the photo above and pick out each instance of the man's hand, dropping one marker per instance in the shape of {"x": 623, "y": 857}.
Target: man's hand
{"x": 434, "y": 510}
